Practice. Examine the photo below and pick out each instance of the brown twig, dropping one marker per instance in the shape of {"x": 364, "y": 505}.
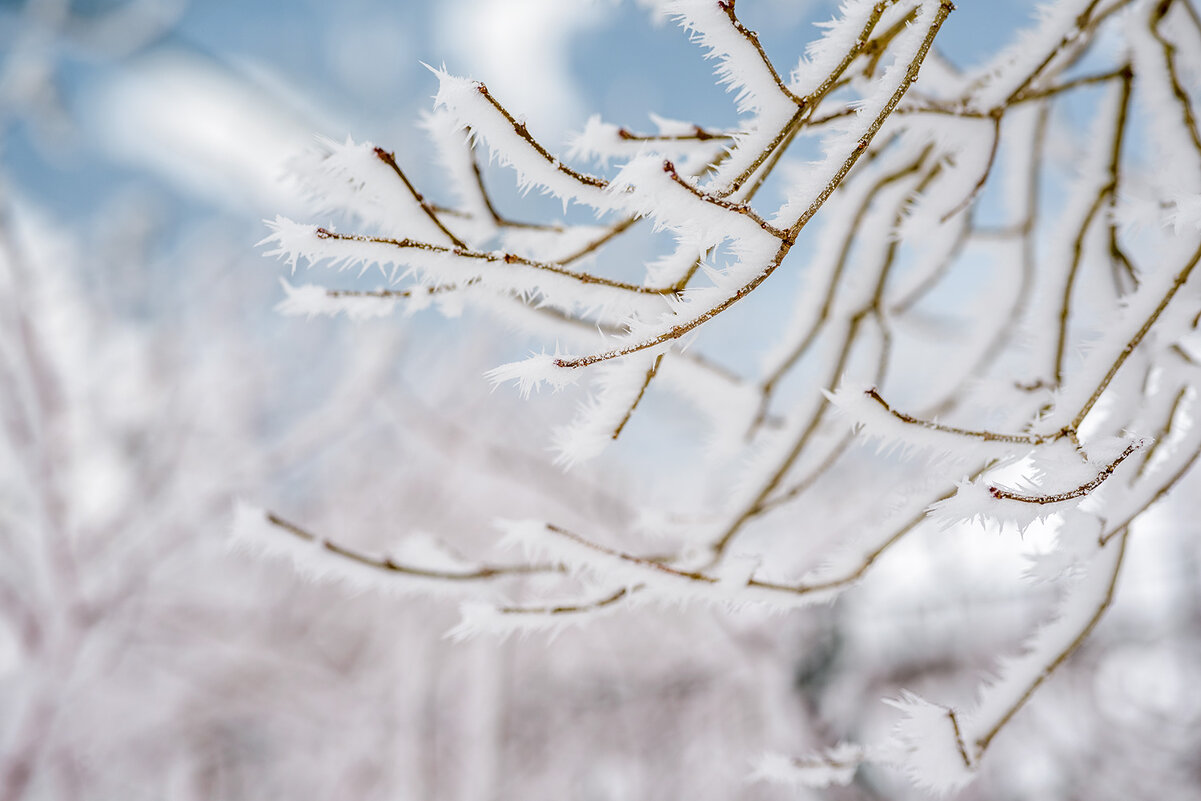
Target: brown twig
{"x": 1078, "y": 492}
{"x": 389, "y": 565}
{"x": 505, "y": 258}
{"x": 984, "y": 741}
{"x": 985, "y": 436}
{"x": 390, "y": 160}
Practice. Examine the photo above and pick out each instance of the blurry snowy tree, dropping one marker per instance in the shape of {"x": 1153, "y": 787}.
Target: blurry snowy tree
{"x": 992, "y": 349}
{"x": 138, "y": 660}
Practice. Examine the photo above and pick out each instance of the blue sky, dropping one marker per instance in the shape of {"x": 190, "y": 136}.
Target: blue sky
{"x": 229, "y": 85}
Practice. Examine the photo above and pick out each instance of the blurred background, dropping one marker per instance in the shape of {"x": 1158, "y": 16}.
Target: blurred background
{"x": 147, "y": 385}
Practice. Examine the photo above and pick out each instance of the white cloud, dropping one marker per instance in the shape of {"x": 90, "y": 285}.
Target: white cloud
{"x": 204, "y": 129}
{"x": 522, "y": 49}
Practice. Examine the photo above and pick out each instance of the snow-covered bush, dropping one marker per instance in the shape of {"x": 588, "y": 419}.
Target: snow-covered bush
{"x": 992, "y": 326}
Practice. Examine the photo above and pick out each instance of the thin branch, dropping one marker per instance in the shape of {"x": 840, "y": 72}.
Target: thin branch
{"x": 716, "y": 200}
{"x": 865, "y": 141}
{"x": 959, "y": 743}
{"x": 773, "y": 378}
{"x": 389, "y": 565}
{"x": 769, "y": 166}
{"x": 753, "y": 38}
{"x": 625, "y": 418}
{"x": 698, "y": 134}
{"x": 983, "y": 742}
{"x": 653, "y": 564}
{"x": 485, "y": 196}
{"x": 853, "y": 575}
{"x": 808, "y": 481}
{"x": 986, "y": 436}
{"x": 1028, "y": 266}
{"x": 967, "y": 231}
{"x": 872, "y": 309}
{"x": 1138, "y": 337}
{"x": 390, "y": 160}
{"x": 568, "y": 609}
{"x": 1109, "y": 191}
{"x": 1078, "y": 492}
{"x": 874, "y": 50}
{"x": 1160, "y": 493}
{"x": 1165, "y": 431}
{"x": 1082, "y": 22}
{"x": 794, "y": 123}
{"x": 522, "y": 132}
{"x": 389, "y": 294}
{"x": 506, "y": 258}
{"x": 1186, "y": 108}
{"x": 680, "y": 329}
{"x": 1122, "y": 72}
{"x": 1065, "y": 309}
{"x": 979, "y": 186}
{"x": 617, "y": 229}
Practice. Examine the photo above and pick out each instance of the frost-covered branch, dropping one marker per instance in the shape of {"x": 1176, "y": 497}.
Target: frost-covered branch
{"x": 990, "y": 282}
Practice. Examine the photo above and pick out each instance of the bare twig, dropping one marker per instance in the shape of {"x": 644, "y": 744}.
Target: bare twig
{"x": 1077, "y": 492}
{"x": 389, "y": 565}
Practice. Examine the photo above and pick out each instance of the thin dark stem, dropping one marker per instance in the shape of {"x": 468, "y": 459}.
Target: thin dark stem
{"x": 1078, "y": 492}
{"x": 1107, "y": 192}
{"x": 716, "y": 200}
{"x": 873, "y": 128}
{"x": 506, "y": 258}
{"x": 485, "y": 196}
{"x": 389, "y": 565}
{"x": 616, "y": 230}
{"x": 985, "y": 436}
{"x": 1165, "y": 431}
{"x": 983, "y": 742}
{"x": 522, "y": 132}
{"x": 390, "y": 160}
{"x": 1138, "y": 337}
{"x": 698, "y": 134}
{"x": 1082, "y": 22}
{"x": 652, "y": 564}
{"x": 650, "y": 375}
{"x": 1189, "y": 120}
{"x": 568, "y": 609}
{"x": 728, "y": 7}
{"x": 979, "y": 185}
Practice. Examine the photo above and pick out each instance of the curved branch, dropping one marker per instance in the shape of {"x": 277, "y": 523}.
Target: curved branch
{"x": 1078, "y": 492}
{"x": 389, "y": 565}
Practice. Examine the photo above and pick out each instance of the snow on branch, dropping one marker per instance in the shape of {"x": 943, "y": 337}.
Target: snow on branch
{"x": 847, "y": 143}
{"x": 433, "y": 569}
{"x": 508, "y": 140}
{"x": 1022, "y": 64}
{"x": 874, "y": 419}
{"x": 603, "y": 141}
{"x": 743, "y": 66}
{"x": 552, "y": 284}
